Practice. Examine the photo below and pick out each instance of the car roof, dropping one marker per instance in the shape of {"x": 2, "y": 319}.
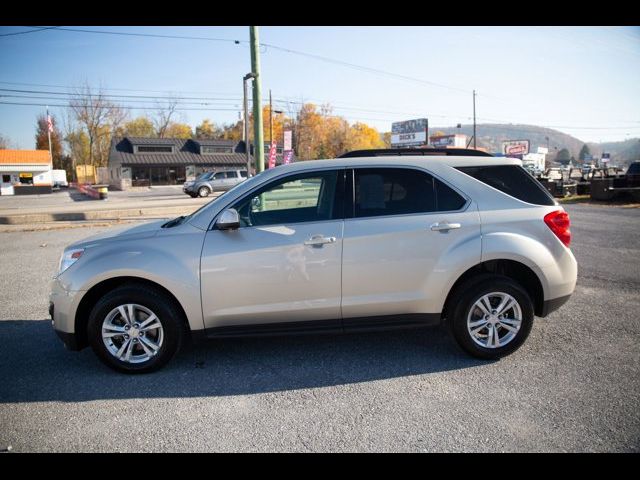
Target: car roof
{"x": 414, "y": 160}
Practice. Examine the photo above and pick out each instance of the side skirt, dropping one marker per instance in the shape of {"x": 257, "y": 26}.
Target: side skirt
{"x": 347, "y": 325}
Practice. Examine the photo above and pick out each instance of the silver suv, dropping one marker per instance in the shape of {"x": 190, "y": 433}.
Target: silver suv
{"x": 215, "y": 181}
{"x": 343, "y": 245}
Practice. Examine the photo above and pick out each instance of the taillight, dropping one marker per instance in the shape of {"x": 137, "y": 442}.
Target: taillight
{"x": 559, "y": 223}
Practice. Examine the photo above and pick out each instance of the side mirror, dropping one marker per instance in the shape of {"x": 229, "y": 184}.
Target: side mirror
{"x": 229, "y": 219}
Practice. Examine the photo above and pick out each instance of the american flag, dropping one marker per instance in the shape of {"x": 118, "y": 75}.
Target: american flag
{"x": 49, "y": 123}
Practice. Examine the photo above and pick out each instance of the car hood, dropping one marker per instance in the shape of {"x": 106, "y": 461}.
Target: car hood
{"x": 145, "y": 230}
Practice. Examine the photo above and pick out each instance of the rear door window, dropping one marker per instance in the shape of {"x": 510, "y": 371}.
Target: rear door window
{"x": 512, "y": 180}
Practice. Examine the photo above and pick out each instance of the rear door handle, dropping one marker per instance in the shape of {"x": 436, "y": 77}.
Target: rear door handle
{"x": 438, "y": 227}
{"x": 319, "y": 240}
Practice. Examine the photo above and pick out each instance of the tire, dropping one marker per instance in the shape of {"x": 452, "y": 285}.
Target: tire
{"x": 203, "y": 192}
{"x": 106, "y": 317}
{"x": 193, "y": 195}
{"x": 467, "y": 317}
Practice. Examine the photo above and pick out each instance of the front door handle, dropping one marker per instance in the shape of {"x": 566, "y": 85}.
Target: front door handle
{"x": 438, "y": 227}
{"x": 319, "y": 240}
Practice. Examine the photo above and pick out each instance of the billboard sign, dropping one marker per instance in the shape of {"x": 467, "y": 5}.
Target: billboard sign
{"x": 515, "y": 147}
{"x": 409, "y": 132}
{"x": 543, "y": 150}
{"x": 605, "y": 157}
{"x": 272, "y": 155}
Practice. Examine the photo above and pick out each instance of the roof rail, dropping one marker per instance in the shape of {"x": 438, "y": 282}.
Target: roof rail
{"x": 456, "y": 152}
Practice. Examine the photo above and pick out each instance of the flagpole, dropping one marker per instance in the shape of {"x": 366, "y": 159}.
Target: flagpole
{"x": 49, "y": 126}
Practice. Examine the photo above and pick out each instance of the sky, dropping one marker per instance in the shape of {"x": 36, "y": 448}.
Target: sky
{"x": 584, "y": 81}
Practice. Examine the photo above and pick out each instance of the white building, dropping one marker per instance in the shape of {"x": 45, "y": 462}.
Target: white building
{"x": 25, "y": 172}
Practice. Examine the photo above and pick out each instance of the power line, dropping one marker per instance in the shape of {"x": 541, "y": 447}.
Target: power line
{"x": 275, "y": 47}
{"x": 27, "y": 31}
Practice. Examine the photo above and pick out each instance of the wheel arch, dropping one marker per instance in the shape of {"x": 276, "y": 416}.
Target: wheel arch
{"x": 515, "y": 270}
{"x": 100, "y": 289}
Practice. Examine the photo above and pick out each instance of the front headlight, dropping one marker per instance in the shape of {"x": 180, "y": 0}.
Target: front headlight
{"x": 68, "y": 258}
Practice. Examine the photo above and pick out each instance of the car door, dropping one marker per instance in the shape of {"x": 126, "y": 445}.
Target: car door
{"x": 407, "y": 233}
{"x": 284, "y": 263}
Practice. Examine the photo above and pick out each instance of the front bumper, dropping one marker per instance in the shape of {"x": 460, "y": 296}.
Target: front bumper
{"x": 62, "y": 308}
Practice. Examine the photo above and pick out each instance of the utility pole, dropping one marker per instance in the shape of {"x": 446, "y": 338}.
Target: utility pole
{"x": 245, "y": 123}
{"x": 258, "y": 142}
{"x": 474, "y": 119}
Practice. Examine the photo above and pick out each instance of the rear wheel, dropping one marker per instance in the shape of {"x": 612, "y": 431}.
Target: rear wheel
{"x": 135, "y": 329}
{"x": 491, "y": 316}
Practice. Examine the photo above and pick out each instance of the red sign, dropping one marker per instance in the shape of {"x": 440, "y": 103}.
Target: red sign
{"x": 272, "y": 155}
{"x": 515, "y": 147}
{"x": 287, "y": 156}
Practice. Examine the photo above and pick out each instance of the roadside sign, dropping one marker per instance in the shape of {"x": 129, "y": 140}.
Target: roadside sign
{"x": 410, "y": 132}
{"x": 272, "y": 154}
{"x": 287, "y": 157}
{"x": 515, "y": 147}
{"x": 287, "y": 140}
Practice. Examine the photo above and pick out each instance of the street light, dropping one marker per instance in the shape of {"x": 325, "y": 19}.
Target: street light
{"x": 248, "y": 76}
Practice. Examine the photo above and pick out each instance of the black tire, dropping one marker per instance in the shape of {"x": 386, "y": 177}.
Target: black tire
{"x": 463, "y": 300}
{"x": 203, "y": 192}
{"x": 170, "y": 317}
{"x": 193, "y": 195}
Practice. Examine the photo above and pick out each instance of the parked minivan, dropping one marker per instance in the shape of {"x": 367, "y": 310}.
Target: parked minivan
{"x": 209, "y": 182}
{"x": 372, "y": 241}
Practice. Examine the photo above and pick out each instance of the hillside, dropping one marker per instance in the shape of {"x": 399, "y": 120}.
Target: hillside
{"x": 491, "y": 136}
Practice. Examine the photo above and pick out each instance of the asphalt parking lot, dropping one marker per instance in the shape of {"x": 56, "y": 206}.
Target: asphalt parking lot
{"x": 573, "y": 386}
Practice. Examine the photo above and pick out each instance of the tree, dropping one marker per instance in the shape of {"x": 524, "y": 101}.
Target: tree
{"x": 584, "y": 152}
{"x": 165, "y": 113}
{"x": 42, "y": 139}
{"x": 78, "y": 146}
{"x": 139, "y": 127}
{"x": 178, "y": 130}
{"x": 208, "y": 130}
{"x": 4, "y": 142}
{"x": 563, "y": 156}
{"x": 364, "y": 137}
{"x": 99, "y": 118}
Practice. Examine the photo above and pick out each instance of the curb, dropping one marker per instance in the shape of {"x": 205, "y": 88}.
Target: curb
{"x": 115, "y": 214}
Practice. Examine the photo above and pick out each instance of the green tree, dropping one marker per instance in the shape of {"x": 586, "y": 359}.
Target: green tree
{"x": 584, "y": 152}
{"x": 563, "y": 156}
{"x": 42, "y": 139}
{"x": 139, "y": 127}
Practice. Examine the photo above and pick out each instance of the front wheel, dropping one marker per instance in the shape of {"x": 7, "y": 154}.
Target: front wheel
{"x": 203, "y": 192}
{"x": 491, "y": 317}
{"x": 135, "y": 329}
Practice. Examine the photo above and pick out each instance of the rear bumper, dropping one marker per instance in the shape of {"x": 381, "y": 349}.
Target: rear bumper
{"x": 552, "y": 305}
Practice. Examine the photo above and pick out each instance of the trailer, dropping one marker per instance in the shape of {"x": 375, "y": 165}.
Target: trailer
{"x": 611, "y": 184}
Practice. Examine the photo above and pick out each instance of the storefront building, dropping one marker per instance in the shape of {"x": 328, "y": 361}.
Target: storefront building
{"x": 24, "y": 172}
{"x": 147, "y": 162}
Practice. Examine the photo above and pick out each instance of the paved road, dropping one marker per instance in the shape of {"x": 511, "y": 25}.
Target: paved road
{"x": 574, "y": 386}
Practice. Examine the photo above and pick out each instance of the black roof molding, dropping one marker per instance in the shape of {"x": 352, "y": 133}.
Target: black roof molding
{"x": 152, "y": 141}
{"x": 207, "y": 142}
{"x": 384, "y": 152}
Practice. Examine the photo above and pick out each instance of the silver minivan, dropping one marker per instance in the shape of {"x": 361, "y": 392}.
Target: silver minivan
{"x": 215, "y": 181}
{"x": 366, "y": 242}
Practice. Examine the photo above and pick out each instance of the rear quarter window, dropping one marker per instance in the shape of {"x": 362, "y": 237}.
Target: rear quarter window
{"x": 512, "y": 180}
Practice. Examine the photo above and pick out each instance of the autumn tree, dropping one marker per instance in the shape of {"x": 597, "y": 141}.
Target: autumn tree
{"x": 138, "y": 127}
{"x": 78, "y": 146}
{"x": 208, "y": 130}
{"x": 42, "y": 139}
{"x": 364, "y": 137}
{"x": 4, "y": 142}
{"x": 99, "y": 118}
{"x": 178, "y": 130}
